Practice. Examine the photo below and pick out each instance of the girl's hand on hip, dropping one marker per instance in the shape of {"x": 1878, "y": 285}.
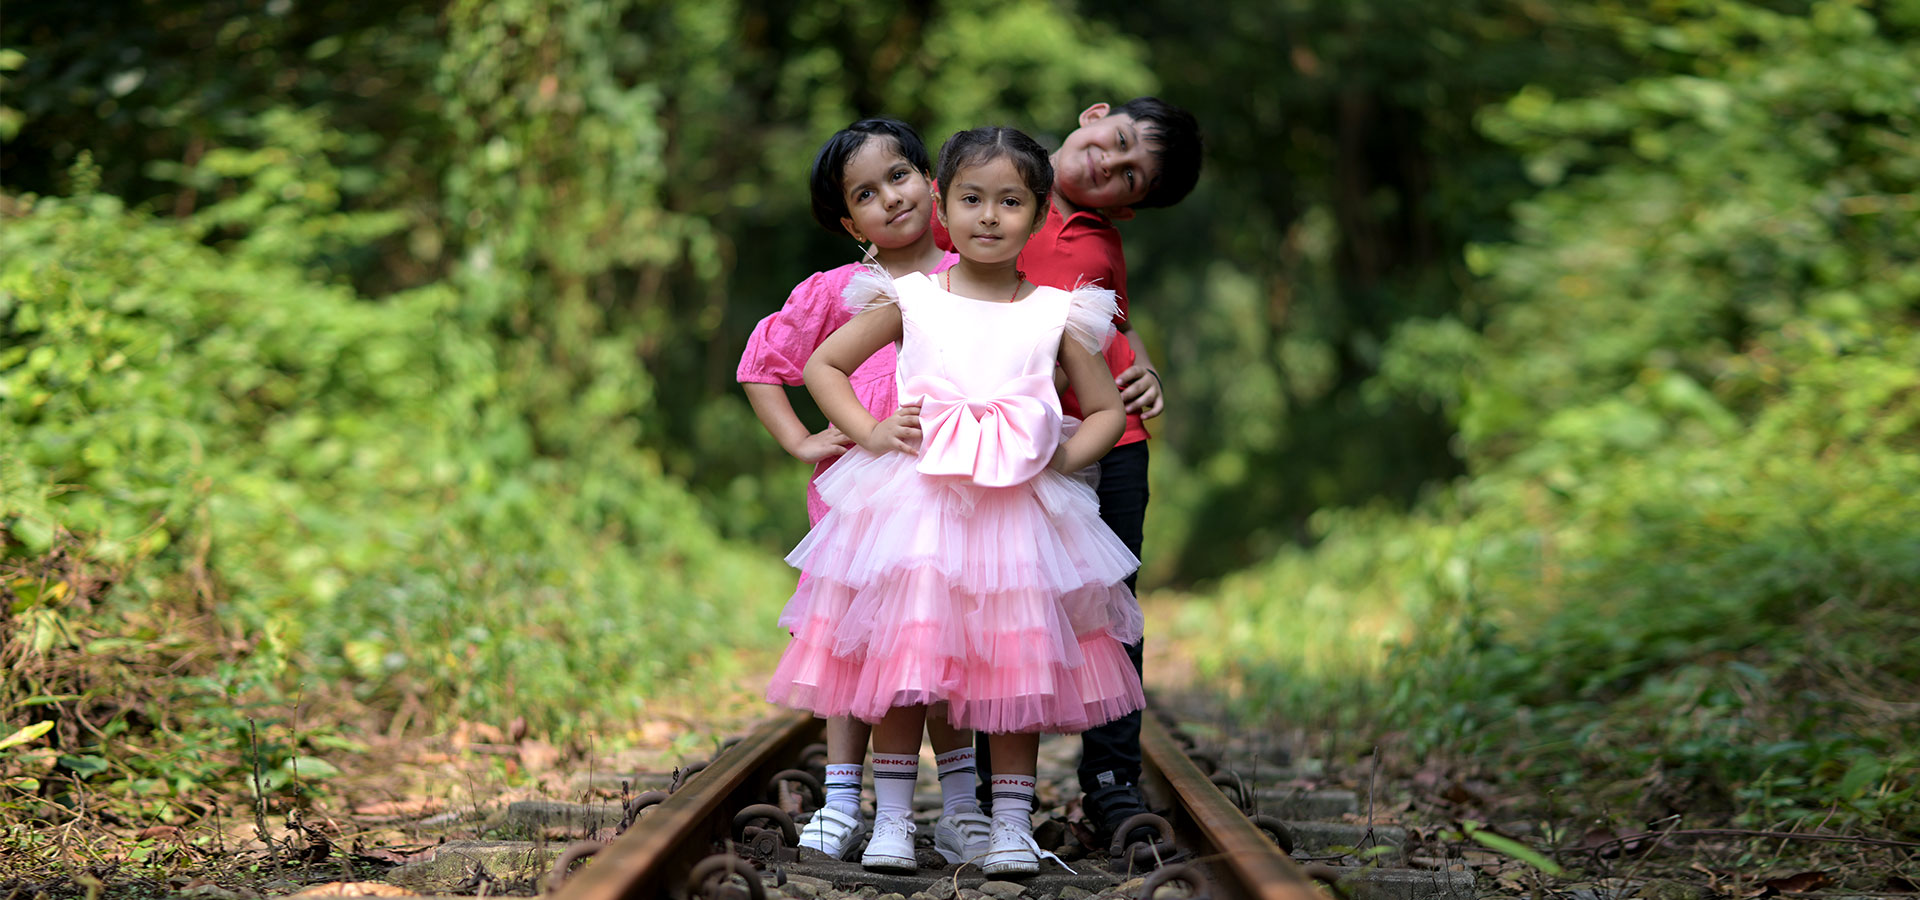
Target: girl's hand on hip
{"x": 900, "y": 431}
{"x": 1140, "y": 391}
{"x": 822, "y": 445}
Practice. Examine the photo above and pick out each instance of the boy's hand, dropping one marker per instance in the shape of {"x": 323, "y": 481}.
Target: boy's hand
{"x": 900, "y": 431}
{"x": 822, "y": 445}
{"x": 1140, "y": 391}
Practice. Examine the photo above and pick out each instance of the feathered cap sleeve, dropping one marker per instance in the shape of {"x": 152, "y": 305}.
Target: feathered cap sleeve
{"x": 870, "y": 287}
{"x": 1090, "y": 314}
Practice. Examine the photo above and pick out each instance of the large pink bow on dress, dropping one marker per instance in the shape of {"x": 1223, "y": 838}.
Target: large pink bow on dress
{"x": 996, "y": 442}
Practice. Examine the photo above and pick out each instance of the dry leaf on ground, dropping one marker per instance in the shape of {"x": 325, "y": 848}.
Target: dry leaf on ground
{"x": 397, "y": 808}
{"x": 1797, "y": 883}
{"x": 354, "y": 889}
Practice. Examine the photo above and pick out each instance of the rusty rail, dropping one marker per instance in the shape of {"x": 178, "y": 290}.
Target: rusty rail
{"x": 1243, "y": 862}
{"x": 654, "y": 861}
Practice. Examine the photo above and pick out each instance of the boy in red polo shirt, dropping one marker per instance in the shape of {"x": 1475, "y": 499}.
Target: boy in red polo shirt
{"x": 1144, "y": 153}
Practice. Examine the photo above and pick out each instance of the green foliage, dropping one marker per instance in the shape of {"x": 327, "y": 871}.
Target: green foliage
{"x": 353, "y": 490}
{"x": 25, "y": 734}
{"x": 640, "y": 168}
{"x": 151, "y": 89}
{"x": 1343, "y": 176}
{"x": 1690, "y": 413}
{"x": 10, "y": 60}
{"x": 1704, "y": 223}
{"x": 420, "y": 398}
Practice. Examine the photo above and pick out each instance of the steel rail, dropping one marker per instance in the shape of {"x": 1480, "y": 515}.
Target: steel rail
{"x": 653, "y": 861}
{"x": 1244, "y": 863}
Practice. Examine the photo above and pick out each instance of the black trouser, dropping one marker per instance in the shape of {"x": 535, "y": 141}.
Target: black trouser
{"x": 1114, "y": 747}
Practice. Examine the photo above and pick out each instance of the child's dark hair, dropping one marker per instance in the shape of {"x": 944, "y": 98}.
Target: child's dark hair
{"x": 828, "y": 177}
{"x": 1175, "y": 139}
{"x": 980, "y": 145}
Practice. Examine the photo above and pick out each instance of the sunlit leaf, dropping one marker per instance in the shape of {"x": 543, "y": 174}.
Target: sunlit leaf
{"x": 310, "y": 767}
{"x": 26, "y": 734}
{"x": 1503, "y": 844}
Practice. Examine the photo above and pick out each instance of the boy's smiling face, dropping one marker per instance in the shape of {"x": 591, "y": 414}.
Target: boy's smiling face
{"x": 1106, "y": 163}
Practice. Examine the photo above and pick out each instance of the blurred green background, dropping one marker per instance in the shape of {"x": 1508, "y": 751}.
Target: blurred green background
{"x": 1535, "y": 370}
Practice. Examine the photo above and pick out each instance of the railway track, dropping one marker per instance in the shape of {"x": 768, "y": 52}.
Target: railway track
{"x": 729, "y": 830}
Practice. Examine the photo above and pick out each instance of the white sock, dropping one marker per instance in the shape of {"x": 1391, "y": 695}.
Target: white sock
{"x": 957, "y": 781}
{"x": 1013, "y": 800}
{"x": 843, "y": 787}
{"x": 893, "y": 778}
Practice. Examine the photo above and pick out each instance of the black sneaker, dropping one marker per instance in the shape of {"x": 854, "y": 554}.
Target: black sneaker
{"x": 1110, "y": 806}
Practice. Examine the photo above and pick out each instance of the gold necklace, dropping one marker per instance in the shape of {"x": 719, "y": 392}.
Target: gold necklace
{"x": 1019, "y": 278}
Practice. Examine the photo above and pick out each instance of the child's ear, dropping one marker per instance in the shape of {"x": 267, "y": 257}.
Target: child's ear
{"x": 1094, "y": 114}
{"x": 847, "y": 223}
{"x": 939, "y": 208}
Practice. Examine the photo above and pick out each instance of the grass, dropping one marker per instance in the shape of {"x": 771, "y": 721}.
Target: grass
{"x": 159, "y": 742}
{"x": 1633, "y": 656}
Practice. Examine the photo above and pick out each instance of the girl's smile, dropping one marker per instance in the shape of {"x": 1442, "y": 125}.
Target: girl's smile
{"x": 883, "y": 193}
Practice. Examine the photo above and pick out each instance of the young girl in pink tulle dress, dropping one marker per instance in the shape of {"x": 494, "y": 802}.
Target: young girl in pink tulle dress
{"x": 870, "y": 181}
{"x": 959, "y": 561}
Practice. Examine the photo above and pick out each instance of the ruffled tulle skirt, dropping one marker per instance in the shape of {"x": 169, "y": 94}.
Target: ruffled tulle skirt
{"x": 1009, "y": 604}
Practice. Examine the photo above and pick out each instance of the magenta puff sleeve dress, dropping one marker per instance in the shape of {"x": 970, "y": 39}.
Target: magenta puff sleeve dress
{"x": 777, "y": 352}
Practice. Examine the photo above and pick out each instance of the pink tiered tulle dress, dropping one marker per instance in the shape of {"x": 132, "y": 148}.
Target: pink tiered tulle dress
{"x": 970, "y": 572}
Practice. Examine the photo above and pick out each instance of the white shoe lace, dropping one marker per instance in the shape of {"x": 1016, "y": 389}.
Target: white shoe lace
{"x": 1026, "y": 838}
{"x": 890, "y": 827}
{"x": 891, "y": 844}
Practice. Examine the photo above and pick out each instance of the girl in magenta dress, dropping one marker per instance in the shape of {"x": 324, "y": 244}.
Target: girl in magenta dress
{"x": 959, "y": 561}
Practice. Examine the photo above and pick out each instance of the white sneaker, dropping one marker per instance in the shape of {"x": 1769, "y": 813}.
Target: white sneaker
{"x": 891, "y": 846}
{"x": 961, "y": 836}
{"x": 1012, "y": 850}
{"x": 832, "y": 832}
